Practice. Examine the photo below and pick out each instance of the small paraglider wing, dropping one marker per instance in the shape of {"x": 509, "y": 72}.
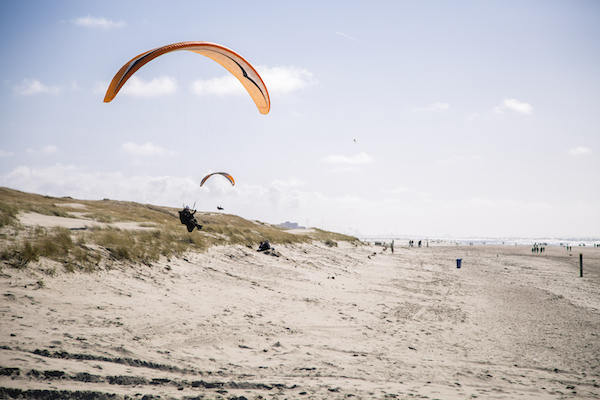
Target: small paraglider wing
{"x": 225, "y": 174}
{"x": 230, "y": 60}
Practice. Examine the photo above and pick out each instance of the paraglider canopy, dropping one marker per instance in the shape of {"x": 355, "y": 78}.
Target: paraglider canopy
{"x": 230, "y": 60}
{"x": 225, "y": 174}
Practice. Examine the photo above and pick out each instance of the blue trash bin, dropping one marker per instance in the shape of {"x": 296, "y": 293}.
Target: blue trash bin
{"x": 458, "y": 262}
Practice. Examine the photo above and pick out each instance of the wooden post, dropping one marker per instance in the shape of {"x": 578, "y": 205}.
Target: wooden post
{"x": 580, "y": 265}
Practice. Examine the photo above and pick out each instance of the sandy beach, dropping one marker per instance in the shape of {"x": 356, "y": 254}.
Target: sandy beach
{"x": 317, "y": 322}
{"x": 210, "y": 200}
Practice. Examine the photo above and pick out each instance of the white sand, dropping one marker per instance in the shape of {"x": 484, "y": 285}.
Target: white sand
{"x": 50, "y": 221}
{"x": 77, "y": 222}
{"x": 300, "y": 231}
{"x": 72, "y": 205}
{"x": 318, "y": 322}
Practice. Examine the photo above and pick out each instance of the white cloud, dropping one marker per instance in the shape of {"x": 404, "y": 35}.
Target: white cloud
{"x": 472, "y": 117}
{"x": 580, "y": 151}
{"x": 48, "y": 149}
{"x": 69, "y": 180}
{"x": 283, "y": 80}
{"x": 100, "y": 87}
{"x": 274, "y": 202}
{"x": 138, "y": 87}
{"x": 145, "y": 150}
{"x": 406, "y": 193}
{"x": 357, "y": 159}
{"x": 486, "y": 202}
{"x": 75, "y": 86}
{"x": 222, "y": 86}
{"x": 97, "y": 22}
{"x": 433, "y": 107}
{"x": 342, "y": 34}
{"x": 32, "y": 86}
{"x": 408, "y": 210}
{"x": 514, "y": 105}
{"x": 291, "y": 183}
{"x": 400, "y": 190}
{"x": 279, "y": 80}
{"x": 5, "y": 154}
{"x": 459, "y": 159}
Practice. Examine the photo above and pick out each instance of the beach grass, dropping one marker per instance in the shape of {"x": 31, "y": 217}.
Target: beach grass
{"x": 161, "y": 234}
{"x": 8, "y": 214}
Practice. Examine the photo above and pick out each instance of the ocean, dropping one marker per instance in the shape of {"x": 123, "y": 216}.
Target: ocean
{"x": 481, "y": 241}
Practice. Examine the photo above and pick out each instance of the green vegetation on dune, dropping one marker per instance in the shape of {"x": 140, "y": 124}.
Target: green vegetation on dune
{"x": 27, "y": 202}
{"x": 54, "y": 244}
{"x": 8, "y": 214}
{"x": 92, "y": 248}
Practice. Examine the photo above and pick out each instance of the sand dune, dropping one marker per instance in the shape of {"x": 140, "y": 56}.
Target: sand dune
{"x": 316, "y": 322}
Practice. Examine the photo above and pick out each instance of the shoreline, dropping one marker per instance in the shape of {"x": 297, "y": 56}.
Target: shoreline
{"x": 487, "y": 241}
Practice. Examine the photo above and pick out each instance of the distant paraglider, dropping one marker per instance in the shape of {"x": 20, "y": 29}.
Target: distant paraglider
{"x": 225, "y": 174}
{"x": 230, "y": 60}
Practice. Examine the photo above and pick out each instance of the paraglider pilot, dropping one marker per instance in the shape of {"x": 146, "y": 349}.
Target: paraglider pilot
{"x": 186, "y": 216}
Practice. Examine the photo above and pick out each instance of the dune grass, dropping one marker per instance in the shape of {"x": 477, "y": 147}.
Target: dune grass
{"x": 96, "y": 247}
{"x": 8, "y": 214}
{"x": 55, "y": 244}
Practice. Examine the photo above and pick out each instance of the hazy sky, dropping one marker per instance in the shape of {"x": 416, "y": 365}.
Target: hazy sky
{"x": 470, "y": 118}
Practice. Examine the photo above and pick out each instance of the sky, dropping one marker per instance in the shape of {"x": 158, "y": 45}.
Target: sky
{"x": 425, "y": 118}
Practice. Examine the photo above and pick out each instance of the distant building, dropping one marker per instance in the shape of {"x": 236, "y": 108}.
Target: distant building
{"x": 290, "y": 225}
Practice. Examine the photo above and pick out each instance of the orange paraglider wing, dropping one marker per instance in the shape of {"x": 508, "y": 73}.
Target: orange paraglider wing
{"x": 225, "y": 174}
{"x": 230, "y": 60}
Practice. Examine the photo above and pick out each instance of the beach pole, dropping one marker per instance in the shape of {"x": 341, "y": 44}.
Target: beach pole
{"x": 580, "y": 265}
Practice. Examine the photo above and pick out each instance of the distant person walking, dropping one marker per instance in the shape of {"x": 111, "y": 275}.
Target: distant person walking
{"x": 419, "y": 243}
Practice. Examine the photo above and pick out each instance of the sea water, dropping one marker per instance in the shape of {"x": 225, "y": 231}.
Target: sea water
{"x": 402, "y": 240}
